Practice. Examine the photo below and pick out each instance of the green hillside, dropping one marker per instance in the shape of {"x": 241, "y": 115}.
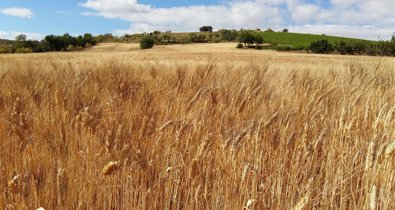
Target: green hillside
{"x": 302, "y": 40}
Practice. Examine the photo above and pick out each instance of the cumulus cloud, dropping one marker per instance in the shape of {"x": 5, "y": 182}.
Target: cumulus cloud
{"x": 10, "y": 35}
{"x": 143, "y": 18}
{"x": 356, "y": 18}
{"x": 18, "y": 12}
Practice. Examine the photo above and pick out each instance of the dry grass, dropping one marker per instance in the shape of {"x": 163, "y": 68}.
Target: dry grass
{"x": 170, "y": 129}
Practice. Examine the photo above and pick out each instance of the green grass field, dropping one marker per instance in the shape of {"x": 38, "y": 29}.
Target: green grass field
{"x": 302, "y": 40}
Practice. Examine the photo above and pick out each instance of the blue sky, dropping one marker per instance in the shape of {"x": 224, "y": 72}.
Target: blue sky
{"x": 354, "y": 18}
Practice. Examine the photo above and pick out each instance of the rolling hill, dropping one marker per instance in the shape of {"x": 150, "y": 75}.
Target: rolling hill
{"x": 302, "y": 40}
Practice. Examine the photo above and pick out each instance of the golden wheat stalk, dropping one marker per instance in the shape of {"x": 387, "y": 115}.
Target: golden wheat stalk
{"x": 301, "y": 203}
{"x": 373, "y": 198}
{"x": 389, "y": 149}
{"x": 111, "y": 167}
{"x": 61, "y": 184}
{"x": 369, "y": 156}
{"x": 13, "y": 184}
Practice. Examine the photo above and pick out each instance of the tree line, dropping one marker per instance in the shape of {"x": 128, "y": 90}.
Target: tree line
{"x": 380, "y": 48}
{"x": 50, "y": 43}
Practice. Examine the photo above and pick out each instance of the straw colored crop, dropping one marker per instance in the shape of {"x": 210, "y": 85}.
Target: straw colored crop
{"x": 196, "y": 127}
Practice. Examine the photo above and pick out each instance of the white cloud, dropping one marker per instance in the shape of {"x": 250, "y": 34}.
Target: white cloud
{"x": 143, "y": 18}
{"x": 10, "y": 35}
{"x": 305, "y": 12}
{"x": 356, "y": 18}
{"x": 18, "y": 12}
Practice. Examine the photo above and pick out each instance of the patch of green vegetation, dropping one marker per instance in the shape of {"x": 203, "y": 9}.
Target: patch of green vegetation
{"x": 302, "y": 40}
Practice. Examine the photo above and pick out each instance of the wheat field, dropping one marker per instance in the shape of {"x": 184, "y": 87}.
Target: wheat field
{"x": 196, "y": 127}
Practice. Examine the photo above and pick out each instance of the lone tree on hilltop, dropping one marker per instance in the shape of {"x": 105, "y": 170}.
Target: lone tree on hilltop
{"x": 206, "y": 29}
{"x": 21, "y": 38}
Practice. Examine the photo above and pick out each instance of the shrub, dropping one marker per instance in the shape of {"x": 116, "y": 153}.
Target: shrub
{"x": 228, "y": 35}
{"x": 24, "y": 50}
{"x": 344, "y": 48}
{"x": 386, "y": 48}
{"x": 147, "y": 42}
{"x": 70, "y": 47}
{"x": 198, "y": 38}
{"x": 3, "y": 50}
{"x": 321, "y": 47}
{"x": 239, "y": 46}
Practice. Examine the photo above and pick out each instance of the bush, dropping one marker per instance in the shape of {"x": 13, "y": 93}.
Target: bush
{"x": 228, "y": 35}
{"x": 24, "y": 50}
{"x": 3, "y": 50}
{"x": 269, "y": 30}
{"x": 198, "y": 38}
{"x": 70, "y": 48}
{"x": 239, "y": 46}
{"x": 344, "y": 48}
{"x": 147, "y": 42}
{"x": 321, "y": 47}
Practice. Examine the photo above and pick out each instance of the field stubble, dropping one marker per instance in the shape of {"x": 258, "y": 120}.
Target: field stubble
{"x": 174, "y": 130}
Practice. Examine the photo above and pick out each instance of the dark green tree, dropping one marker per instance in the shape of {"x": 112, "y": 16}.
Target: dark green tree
{"x": 147, "y": 42}
{"x": 321, "y": 47}
{"x": 21, "y": 38}
{"x": 206, "y": 29}
{"x": 250, "y": 38}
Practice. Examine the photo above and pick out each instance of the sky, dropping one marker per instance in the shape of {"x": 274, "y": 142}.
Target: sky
{"x": 367, "y": 19}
